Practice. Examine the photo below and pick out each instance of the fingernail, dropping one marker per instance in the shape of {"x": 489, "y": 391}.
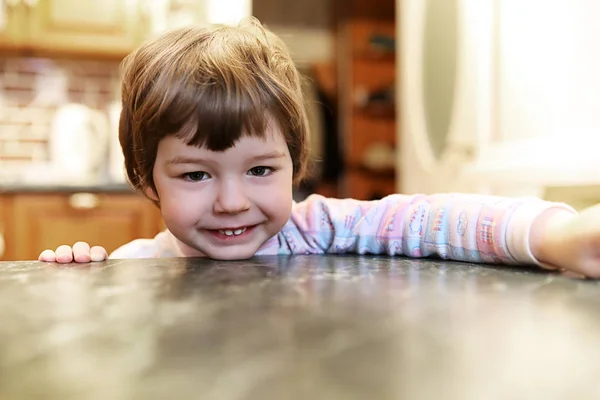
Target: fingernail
{"x": 97, "y": 256}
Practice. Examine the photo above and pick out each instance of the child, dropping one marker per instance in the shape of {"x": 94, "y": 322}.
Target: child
{"x": 214, "y": 131}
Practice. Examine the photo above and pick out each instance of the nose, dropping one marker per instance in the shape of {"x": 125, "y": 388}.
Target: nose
{"x": 231, "y": 198}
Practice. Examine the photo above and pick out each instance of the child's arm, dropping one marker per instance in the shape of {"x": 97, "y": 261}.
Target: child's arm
{"x": 463, "y": 227}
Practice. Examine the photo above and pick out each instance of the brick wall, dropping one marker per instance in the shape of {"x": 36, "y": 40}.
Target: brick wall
{"x": 31, "y": 90}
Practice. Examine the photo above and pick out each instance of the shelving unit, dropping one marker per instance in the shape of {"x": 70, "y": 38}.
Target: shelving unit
{"x": 366, "y": 73}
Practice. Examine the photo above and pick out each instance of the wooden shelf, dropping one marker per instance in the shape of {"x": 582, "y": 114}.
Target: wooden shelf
{"x": 383, "y": 173}
{"x": 364, "y": 186}
{"x": 366, "y": 57}
{"x": 374, "y": 55}
{"x": 377, "y": 111}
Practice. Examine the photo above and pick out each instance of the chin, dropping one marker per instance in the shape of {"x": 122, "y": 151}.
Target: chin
{"x": 230, "y": 256}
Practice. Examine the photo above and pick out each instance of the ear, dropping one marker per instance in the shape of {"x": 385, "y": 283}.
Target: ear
{"x": 150, "y": 193}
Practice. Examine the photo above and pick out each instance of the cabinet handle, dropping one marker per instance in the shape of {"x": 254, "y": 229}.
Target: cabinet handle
{"x": 84, "y": 201}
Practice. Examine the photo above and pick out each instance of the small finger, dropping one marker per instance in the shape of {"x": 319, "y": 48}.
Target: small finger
{"x": 47, "y": 256}
{"x": 64, "y": 254}
{"x": 98, "y": 253}
{"x": 81, "y": 252}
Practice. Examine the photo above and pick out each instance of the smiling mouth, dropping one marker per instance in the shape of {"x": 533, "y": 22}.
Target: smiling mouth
{"x": 232, "y": 232}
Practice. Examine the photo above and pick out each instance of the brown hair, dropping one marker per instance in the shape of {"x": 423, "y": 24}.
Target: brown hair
{"x": 209, "y": 86}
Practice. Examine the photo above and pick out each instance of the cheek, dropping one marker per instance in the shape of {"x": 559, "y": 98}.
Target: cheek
{"x": 286, "y": 210}
{"x": 173, "y": 211}
{"x": 178, "y": 207}
{"x": 280, "y": 200}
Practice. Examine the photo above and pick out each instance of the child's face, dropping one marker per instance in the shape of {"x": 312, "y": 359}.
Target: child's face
{"x": 224, "y": 205}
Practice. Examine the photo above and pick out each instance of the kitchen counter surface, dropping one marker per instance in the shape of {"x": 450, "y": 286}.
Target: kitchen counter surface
{"x": 304, "y": 327}
{"x": 56, "y": 188}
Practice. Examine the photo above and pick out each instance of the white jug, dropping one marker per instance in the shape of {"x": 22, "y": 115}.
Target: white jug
{"x": 78, "y": 144}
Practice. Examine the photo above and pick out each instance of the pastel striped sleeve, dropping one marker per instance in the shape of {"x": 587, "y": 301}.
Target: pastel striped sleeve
{"x": 162, "y": 245}
{"x": 462, "y": 227}
{"x": 138, "y": 248}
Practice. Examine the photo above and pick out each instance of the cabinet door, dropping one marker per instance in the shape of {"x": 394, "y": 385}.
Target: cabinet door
{"x": 367, "y": 72}
{"x": 6, "y": 224}
{"x": 13, "y": 28}
{"x": 368, "y": 185}
{"x": 84, "y": 26}
{"x": 45, "y": 221}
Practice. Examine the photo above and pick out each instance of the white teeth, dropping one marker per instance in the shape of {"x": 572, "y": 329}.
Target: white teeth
{"x": 229, "y": 232}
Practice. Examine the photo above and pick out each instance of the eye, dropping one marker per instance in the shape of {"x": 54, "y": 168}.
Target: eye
{"x": 195, "y": 176}
{"x": 260, "y": 171}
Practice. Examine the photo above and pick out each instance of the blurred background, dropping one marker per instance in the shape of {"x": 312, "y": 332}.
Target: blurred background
{"x": 410, "y": 96}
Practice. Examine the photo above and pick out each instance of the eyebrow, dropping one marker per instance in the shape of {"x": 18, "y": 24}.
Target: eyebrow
{"x": 268, "y": 156}
{"x": 194, "y": 160}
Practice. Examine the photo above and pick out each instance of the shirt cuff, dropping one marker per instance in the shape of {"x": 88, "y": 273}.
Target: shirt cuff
{"x": 519, "y": 230}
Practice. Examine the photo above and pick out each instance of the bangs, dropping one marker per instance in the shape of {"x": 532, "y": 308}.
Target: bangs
{"x": 218, "y": 118}
{"x": 215, "y": 114}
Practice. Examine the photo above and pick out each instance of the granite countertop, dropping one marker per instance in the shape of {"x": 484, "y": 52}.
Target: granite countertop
{"x": 304, "y": 327}
{"x": 54, "y": 188}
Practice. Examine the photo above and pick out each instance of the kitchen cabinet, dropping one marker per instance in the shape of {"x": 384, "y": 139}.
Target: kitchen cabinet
{"x": 12, "y": 21}
{"x": 32, "y": 222}
{"x": 369, "y": 185}
{"x": 366, "y": 58}
{"x": 5, "y": 227}
{"x": 75, "y": 27}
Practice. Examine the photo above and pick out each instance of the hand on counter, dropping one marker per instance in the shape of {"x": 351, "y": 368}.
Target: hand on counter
{"x": 80, "y": 253}
{"x": 562, "y": 240}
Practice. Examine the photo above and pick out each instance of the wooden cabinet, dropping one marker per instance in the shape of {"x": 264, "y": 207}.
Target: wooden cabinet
{"x": 75, "y": 27}
{"x": 12, "y": 32}
{"x": 366, "y": 58}
{"x": 104, "y": 26}
{"x": 369, "y": 186}
{"x": 6, "y": 225}
{"x": 33, "y": 222}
